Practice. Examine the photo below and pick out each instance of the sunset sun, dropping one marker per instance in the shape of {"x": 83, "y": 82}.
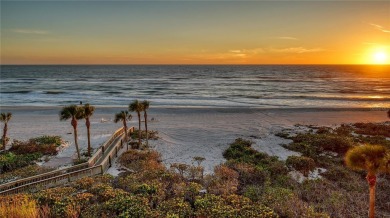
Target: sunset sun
{"x": 379, "y": 57}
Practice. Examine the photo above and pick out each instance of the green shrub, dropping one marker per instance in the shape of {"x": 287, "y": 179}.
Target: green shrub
{"x": 286, "y": 203}
{"x": 152, "y": 135}
{"x": 373, "y": 129}
{"x": 343, "y": 130}
{"x": 313, "y": 144}
{"x": 254, "y": 192}
{"x": 139, "y": 161}
{"x": 223, "y": 182}
{"x": 10, "y": 161}
{"x": 127, "y": 206}
{"x": 47, "y": 140}
{"x": 213, "y": 206}
{"x": 302, "y": 164}
{"x": 31, "y": 147}
{"x": 105, "y": 192}
{"x": 175, "y": 207}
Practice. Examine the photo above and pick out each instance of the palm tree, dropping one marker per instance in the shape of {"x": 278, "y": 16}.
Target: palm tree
{"x": 123, "y": 116}
{"x": 145, "y": 105}
{"x": 75, "y": 113}
{"x": 137, "y": 107}
{"x": 5, "y": 117}
{"x": 88, "y": 111}
{"x": 370, "y": 158}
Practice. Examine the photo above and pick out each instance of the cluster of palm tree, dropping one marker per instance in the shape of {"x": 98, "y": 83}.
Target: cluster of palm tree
{"x": 138, "y": 107}
{"x": 76, "y": 112}
{"x": 5, "y": 117}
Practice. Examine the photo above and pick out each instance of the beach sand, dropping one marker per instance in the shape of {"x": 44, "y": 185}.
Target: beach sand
{"x": 185, "y": 132}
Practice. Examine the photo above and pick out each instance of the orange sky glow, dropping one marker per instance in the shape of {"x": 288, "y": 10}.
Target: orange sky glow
{"x": 226, "y": 32}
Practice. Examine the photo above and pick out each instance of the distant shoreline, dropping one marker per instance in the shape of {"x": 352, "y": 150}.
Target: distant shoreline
{"x": 201, "y": 108}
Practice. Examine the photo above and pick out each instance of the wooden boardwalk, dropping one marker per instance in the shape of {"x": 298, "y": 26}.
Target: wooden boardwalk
{"x": 98, "y": 164}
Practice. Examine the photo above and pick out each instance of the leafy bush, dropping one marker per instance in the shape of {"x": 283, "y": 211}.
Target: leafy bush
{"x": 34, "y": 146}
{"x": 231, "y": 206}
{"x": 250, "y": 174}
{"x": 344, "y": 130}
{"x": 302, "y": 164}
{"x": 127, "y": 206}
{"x": 326, "y": 197}
{"x": 223, "y": 182}
{"x": 212, "y": 206}
{"x": 152, "y": 135}
{"x": 10, "y": 161}
{"x": 47, "y": 140}
{"x": 286, "y": 203}
{"x": 139, "y": 161}
{"x": 373, "y": 129}
{"x": 105, "y": 192}
{"x": 313, "y": 144}
{"x": 175, "y": 207}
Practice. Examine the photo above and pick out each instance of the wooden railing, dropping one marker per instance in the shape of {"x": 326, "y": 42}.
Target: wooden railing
{"x": 96, "y": 165}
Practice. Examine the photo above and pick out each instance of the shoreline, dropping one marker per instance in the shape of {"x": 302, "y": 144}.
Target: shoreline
{"x": 312, "y": 109}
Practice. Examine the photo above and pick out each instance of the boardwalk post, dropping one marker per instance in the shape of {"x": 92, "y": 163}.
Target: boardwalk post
{"x": 102, "y": 150}
{"x": 121, "y": 143}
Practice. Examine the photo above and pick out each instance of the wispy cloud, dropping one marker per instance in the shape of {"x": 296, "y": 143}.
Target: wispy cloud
{"x": 380, "y": 28}
{"x": 30, "y": 31}
{"x": 287, "y": 38}
{"x": 297, "y": 50}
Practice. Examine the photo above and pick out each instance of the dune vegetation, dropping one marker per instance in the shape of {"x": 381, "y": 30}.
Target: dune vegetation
{"x": 328, "y": 179}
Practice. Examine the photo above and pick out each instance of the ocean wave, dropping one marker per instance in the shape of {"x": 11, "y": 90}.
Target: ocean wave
{"x": 17, "y": 92}
{"x": 54, "y": 92}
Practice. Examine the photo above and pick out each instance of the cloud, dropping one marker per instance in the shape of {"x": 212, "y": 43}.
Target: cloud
{"x": 286, "y": 38}
{"x": 297, "y": 50}
{"x": 30, "y": 31}
{"x": 380, "y": 28}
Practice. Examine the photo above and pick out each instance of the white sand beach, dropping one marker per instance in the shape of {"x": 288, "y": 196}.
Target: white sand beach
{"x": 185, "y": 132}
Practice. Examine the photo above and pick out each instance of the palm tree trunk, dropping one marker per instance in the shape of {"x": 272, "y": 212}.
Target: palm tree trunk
{"x": 124, "y": 125}
{"x": 139, "y": 129}
{"x": 88, "y": 124}
{"x": 146, "y": 128}
{"x": 74, "y": 124}
{"x": 5, "y": 135}
{"x": 371, "y": 179}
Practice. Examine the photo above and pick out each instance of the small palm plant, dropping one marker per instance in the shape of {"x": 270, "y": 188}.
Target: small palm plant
{"x": 5, "y": 117}
{"x": 88, "y": 111}
{"x": 145, "y": 105}
{"x": 75, "y": 113}
{"x": 372, "y": 159}
{"x": 137, "y": 106}
{"x": 123, "y": 116}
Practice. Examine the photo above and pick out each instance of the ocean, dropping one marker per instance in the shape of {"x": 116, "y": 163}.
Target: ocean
{"x": 249, "y": 86}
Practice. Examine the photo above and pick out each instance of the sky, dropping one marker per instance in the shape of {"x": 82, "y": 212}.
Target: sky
{"x": 195, "y": 32}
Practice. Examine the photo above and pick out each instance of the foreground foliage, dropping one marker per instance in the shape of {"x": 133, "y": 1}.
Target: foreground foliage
{"x": 249, "y": 184}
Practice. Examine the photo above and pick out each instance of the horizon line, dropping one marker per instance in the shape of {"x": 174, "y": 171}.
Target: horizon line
{"x": 152, "y": 64}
